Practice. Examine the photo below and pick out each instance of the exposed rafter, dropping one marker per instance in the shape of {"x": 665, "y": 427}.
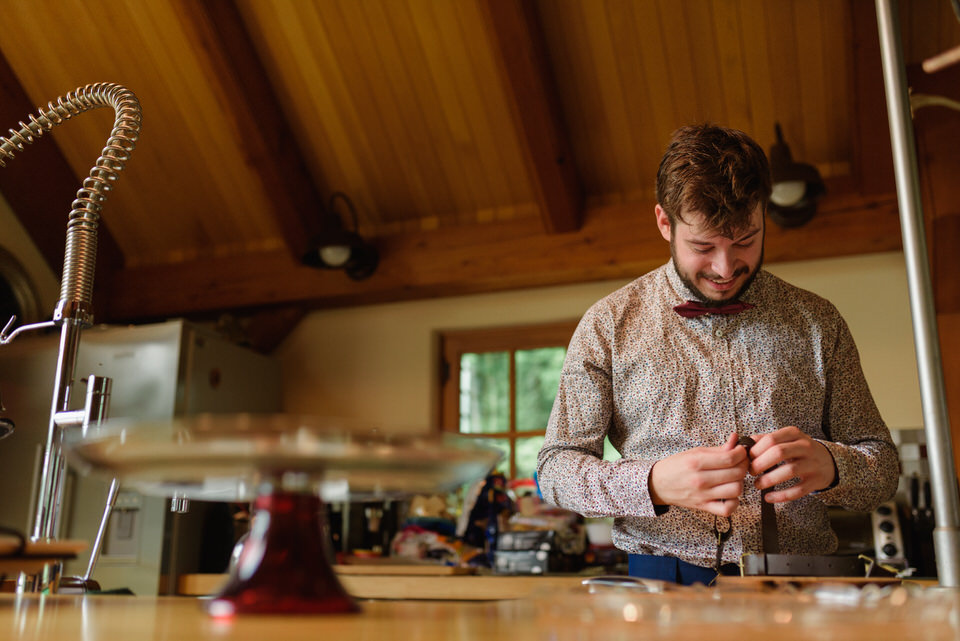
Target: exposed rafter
{"x": 520, "y": 47}
{"x": 257, "y": 118}
{"x": 614, "y": 242}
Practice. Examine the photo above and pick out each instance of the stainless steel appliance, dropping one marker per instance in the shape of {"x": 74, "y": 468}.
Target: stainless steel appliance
{"x": 159, "y": 371}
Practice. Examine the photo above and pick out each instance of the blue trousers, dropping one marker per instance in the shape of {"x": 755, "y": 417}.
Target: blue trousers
{"x": 673, "y": 570}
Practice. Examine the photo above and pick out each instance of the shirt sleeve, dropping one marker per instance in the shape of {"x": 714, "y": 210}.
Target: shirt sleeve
{"x": 868, "y": 466}
{"x": 571, "y": 472}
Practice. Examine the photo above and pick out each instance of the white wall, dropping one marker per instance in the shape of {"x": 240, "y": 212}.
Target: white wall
{"x": 378, "y": 363}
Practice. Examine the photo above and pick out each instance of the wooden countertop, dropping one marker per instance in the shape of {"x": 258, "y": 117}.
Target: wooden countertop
{"x": 564, "y": 616}
{"x": 401, "y": 583}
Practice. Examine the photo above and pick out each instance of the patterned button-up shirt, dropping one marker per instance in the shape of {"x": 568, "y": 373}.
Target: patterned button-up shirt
{"x": 658, "y": 384}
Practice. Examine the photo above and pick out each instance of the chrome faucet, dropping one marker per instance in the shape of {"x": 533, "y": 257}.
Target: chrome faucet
{"x": 74, "y": 308}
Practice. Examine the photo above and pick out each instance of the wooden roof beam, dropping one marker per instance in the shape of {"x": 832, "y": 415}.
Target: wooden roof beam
{"x": 520, "y": 49}
{"x": 258, "y": 121}
{"x": 614, "y": 242}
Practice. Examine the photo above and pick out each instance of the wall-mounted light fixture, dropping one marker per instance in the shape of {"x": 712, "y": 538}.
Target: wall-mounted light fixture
{"x": 336, "y": 247}
{"x": 796, "y": 186}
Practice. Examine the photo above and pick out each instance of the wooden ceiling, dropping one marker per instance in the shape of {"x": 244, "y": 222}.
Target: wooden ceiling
{"x": 486, "y": 144}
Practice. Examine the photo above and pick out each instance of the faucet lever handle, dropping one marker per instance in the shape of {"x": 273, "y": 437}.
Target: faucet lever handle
{"x": 7, "y": 338}
{"x": 3, "y": 334}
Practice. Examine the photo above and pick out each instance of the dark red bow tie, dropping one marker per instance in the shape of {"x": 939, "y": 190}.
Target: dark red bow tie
{"x": 693, "y": 308}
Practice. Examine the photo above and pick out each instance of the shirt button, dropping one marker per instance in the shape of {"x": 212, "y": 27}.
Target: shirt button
{"x": 718, "y": 333}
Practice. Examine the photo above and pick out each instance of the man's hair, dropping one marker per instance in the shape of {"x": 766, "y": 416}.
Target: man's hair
{"x": 718, "y": 172}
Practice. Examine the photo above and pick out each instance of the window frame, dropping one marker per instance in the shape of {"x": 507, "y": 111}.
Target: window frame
{"x": 454, "y": 343}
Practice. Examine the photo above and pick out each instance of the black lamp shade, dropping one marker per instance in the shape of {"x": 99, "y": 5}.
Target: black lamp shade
{"x": 796, "y": 187}
{"x": 338, "y": 248}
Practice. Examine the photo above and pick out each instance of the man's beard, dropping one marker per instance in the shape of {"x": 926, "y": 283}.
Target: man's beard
{"x": 703, "y": 298}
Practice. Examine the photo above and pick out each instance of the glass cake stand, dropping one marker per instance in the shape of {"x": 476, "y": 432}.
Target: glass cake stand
{"x": 286, "y": 464}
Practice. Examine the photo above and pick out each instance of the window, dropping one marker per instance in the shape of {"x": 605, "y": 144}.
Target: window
{"x": 499, "y": 384}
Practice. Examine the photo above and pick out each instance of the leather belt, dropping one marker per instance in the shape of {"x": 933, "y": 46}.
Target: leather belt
{"x": 768, "y": 524}
{"x": 768, "y": 512}
{"x": 801, "y": 565}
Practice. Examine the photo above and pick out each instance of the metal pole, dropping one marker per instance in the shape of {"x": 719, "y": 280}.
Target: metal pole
{"x": 943, "y": 476}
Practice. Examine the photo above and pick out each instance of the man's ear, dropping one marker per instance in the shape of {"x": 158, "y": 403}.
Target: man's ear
{"x": 663, "y": 222}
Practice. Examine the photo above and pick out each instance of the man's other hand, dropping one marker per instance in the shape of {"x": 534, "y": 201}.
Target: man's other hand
{"x": 791, "y": 454}
{"x": 704, "y": 478}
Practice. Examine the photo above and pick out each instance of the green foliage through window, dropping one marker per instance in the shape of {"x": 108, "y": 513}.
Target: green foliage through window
{"x": 484, "y": 393}
{"x": 538, "y": 375}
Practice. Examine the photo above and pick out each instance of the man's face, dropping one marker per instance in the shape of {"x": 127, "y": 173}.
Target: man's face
{"x": 715, "y": 267}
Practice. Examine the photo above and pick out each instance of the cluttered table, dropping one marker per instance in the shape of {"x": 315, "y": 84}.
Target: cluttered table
{"x": 557, "y": 612}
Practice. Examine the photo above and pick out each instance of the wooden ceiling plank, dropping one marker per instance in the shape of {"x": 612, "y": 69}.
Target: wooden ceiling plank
{"x": 705, "y": 55}
{"x": 618, "y": 241}
{"x": 812, "y": 79}
{"x": 663, "y": 100}
{"x": 436, "y": 108}
{"x": 258, "y": 120}
{"x": 624, "y": 160}
{"x": 378, "y": 108}
{"x": 635, "y": 87}
{"x": 872, "y": 153}
{"x": 517, "y": 37}
{"x": 730, "y": 57}
{"x": 500, "y": 157}
{"x": 43, "y": 212}
{"x": 836, "y": 26}
{"x": 781, "y": 35}
{"x": 587, "y": 127}
{"x": 757, "y": 61}
{"x": 485, "y": 154}
{"x": 687, "y": 97}
{"x": 326, "y": 117}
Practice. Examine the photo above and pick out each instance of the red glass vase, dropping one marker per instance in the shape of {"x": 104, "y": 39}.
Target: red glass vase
{"x": 283, "y": 567}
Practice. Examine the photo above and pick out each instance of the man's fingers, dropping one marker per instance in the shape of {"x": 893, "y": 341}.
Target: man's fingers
{"x": 730, "y": 479}
{"x": 721, "y": 508}
{"x": 727, "y": 491}
{"x": 792, "y": 493}
{"x": 721, "y": 459}
{"x": 779, "y": 452}
{"x": 764, "y": 442}
{"x": 778, "y": 475}
{"x": 731, "y": 441}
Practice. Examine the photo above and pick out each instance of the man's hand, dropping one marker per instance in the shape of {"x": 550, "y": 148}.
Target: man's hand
{"x": 793, "y": 455}
{"x": 704, "y": 478}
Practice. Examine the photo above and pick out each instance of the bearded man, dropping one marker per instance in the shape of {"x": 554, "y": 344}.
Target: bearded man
{"x": 723, "y": 387}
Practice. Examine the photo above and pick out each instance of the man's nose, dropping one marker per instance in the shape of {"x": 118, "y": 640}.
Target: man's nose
{"x": 724, "y": 265}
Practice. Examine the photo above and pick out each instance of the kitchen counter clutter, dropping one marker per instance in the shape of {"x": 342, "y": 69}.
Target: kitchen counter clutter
{"x": 824, "y": 611}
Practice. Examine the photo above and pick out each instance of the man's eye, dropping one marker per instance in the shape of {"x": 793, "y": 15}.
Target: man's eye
{"x": 746, "y": 244}
{"x": 702, "y": 250}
